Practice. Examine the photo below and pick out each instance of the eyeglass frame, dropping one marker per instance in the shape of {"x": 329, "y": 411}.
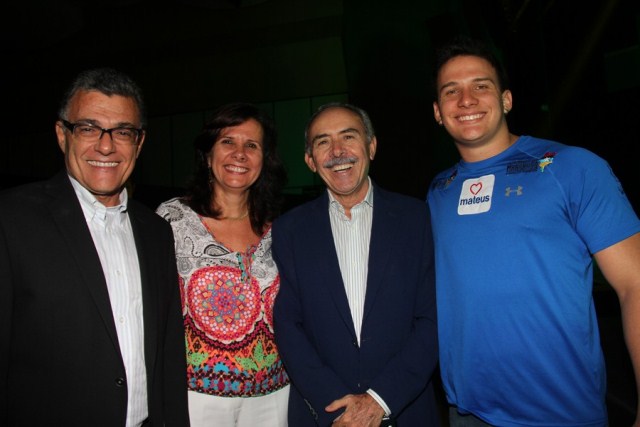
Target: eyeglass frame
{"x": 72, "y": 126}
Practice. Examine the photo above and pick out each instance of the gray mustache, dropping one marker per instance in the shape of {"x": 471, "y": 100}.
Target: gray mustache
{"x": 339, "y": 161}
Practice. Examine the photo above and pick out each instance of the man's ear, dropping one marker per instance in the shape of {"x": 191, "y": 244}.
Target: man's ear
{"x": 507, "y": 101}
{"x": 62, "y": 140}
{"x": 436, "y": 113}
{"x": 372, "y": 148}
{"x": 139, "y": 148}
{"x": 308, "y": 159}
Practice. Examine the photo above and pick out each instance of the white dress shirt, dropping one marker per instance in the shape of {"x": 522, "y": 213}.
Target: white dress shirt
{"x": 113, "y": 238}
{"x": 351, "y": 237}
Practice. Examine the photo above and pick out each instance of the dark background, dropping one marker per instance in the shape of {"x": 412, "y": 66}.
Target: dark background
{"x": 574, "y": 69}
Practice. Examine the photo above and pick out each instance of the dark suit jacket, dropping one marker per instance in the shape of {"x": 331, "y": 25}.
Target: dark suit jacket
{"x": 60, "y": 362}
{"x": 312, "y": 321}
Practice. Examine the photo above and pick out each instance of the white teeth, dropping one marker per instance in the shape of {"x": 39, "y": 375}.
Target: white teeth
{"x": 471, "y": 117}
{"x": 236, "y": 169}
{"x": 103, "y": 164}
{"x": 342, "y": 167}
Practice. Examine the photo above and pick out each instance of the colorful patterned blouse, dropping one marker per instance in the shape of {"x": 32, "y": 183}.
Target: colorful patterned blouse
{"x": 227, "y": 305}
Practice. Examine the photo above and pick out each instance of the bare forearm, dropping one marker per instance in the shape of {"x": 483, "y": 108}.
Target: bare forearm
{"x": 630, "y": 305}
{"x": 621, "y": 267}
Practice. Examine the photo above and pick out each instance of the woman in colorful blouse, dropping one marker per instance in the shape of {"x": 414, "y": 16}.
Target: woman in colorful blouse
{"x": 228, "y": 279}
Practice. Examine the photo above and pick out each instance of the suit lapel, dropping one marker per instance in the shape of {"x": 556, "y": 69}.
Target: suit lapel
{"x": 67, "y": 213}
{"x": 383, "y": 232}
{"x": 321, "y": 238}
{"x": 145, "y": 247}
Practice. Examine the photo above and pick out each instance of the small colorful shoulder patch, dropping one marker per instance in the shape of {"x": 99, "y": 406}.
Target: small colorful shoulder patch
{"x": 546, "y": 160}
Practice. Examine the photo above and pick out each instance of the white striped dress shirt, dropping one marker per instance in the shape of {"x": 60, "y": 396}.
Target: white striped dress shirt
{"x": 113, "y": 238}
{"x": 351, "y": 237}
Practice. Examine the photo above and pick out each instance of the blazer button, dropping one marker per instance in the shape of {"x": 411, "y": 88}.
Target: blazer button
{"x": 120, "y": 382}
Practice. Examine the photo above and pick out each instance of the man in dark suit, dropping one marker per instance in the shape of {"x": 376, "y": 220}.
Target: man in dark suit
{"x": 90, "y": 325}
{"x": 355, "y": 318}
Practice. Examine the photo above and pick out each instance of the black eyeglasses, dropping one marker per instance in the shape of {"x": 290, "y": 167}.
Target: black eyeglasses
{"x": 89, "y": 133}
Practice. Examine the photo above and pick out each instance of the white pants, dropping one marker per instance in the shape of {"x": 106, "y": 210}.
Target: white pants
{"x": 262, "y": 411}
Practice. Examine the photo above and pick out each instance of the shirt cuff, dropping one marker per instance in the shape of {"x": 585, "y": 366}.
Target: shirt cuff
{"x": 377, "y": 398}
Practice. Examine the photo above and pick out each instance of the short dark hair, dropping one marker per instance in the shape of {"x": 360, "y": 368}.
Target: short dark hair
{"x": 107, "y": 81}
{"x": 462, "y": 45}
{"x": 364, "y": 118}
{"x": 265, "y": 198}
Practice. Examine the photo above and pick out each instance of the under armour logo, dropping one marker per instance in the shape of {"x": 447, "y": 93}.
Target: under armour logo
{"x": 518, "y": 191}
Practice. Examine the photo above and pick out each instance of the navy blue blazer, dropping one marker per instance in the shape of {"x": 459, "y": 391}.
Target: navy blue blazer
{"x": 60, "y": 360}
{"x": 313, "y": 327}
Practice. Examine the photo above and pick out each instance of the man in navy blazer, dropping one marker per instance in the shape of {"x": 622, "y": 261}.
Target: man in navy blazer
{"x": 90, "y": 326}
{"x": 355, "y": 317}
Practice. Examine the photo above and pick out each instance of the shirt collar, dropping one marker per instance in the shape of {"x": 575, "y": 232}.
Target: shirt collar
{"x": 367, "y": 201}
{"x": 94, "y": 209}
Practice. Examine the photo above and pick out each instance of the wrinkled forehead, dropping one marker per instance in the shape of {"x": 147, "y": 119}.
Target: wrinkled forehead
{"x": 333, "y": 120}
{"x": 87, "y": 103}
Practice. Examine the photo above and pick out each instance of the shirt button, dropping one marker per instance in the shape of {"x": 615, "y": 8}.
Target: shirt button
{"x": 121, "y": 319}
{"x": 120, "y": 382}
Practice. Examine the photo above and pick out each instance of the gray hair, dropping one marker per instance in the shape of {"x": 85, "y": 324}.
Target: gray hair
{"x": 364, "y": 118}
{"x": 107, "y": 81}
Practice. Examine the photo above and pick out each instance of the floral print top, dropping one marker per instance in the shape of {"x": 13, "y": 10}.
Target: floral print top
{"x": 227, "y": 306}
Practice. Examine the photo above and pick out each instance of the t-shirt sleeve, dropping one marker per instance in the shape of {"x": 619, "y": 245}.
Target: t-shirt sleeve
{"x": 600, "y": 209}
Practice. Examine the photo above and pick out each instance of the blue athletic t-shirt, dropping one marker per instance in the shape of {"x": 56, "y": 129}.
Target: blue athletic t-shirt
{"x": 514, "y": 235}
